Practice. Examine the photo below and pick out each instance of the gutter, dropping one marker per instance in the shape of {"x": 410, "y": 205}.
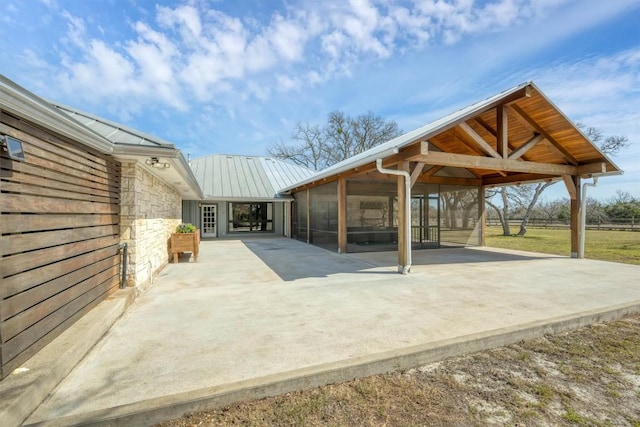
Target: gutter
{"x": 404, "y": 269}
{"x": 24, "y": 104}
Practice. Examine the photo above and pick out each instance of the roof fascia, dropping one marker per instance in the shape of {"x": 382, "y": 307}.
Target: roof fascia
{"x": 606, "y": 157}
{"x": 19, "y": 101}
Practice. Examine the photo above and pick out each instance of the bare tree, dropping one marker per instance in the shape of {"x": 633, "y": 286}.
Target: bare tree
{"x": 342, "y": 137}
{"x": 526, "y": 196}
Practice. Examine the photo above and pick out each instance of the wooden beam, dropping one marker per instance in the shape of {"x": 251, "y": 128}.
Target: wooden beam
{"x": 528, "y": 119}
{"x": 528, "y": 145}
{"x": 575, "y": 218}
{"x": 591, "y": 168}
{"x": 417, "y": 170}
{"x": 488, "y": 163}
{"x": 517, "y": 179}
{"x": 502, "y": 133}
{"x": 480, "y": 142}
{"x": 402, "y": 218}
{"x": 342, "y": 215}
{"x": 434, "y": 170}
{"x": 482, "y": 209}
{"x": 450, "y": 180}
{"x": 571, "y": 186}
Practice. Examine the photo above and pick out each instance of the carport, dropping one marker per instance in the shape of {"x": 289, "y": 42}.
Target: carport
{"x": 517, "y": 136}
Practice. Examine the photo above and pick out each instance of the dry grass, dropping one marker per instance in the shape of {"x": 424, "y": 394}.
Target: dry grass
{"x": 588, "y": 377}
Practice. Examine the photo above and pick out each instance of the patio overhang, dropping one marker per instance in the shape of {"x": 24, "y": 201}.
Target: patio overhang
{"x": 515, "y": 137}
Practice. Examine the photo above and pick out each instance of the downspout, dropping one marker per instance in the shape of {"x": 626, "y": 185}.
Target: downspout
{"x": 583, "y": 214}
{"x": 404, "y": 269}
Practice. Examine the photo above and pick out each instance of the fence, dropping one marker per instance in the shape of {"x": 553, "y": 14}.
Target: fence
{"x": 619, "y": 224}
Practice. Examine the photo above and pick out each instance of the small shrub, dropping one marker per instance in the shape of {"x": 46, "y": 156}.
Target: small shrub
{"x": 186, "y": 228}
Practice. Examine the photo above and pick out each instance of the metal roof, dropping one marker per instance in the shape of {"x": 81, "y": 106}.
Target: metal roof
{"x": 114, "y": 132}
{"x": 433, "y": 129}
{"x": 25, "y": 104}
{"x": 129, "y": 143}
{"x": 227, "y": 177}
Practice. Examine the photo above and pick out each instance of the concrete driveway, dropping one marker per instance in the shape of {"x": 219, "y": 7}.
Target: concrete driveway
{"x": 256, "y": 312}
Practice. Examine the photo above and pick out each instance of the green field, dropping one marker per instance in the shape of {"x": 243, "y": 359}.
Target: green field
{"x": 617, "y": 246}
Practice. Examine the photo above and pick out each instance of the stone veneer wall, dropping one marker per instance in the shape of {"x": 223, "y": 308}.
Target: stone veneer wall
{"x": 150, "y": 211}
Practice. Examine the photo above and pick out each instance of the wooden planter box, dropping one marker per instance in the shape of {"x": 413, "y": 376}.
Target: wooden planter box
{"x": 185, "y": 242}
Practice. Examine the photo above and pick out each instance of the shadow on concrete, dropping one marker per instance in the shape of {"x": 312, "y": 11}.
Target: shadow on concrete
{"x": 292, "y": 260}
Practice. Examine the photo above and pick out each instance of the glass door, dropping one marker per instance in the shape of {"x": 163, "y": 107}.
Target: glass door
{"x": 208, "y": 218}
{"x": 425, "y": 214}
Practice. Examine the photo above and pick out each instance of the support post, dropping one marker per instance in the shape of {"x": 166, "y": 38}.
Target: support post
{"x": 403, "y": 244}
{"x": 502, "y": 131}
{"x": 482, "y": 217}
{"x": 308, "y": 216}
{"x": 342, "y": 215}
{"x": 575, "y": 217}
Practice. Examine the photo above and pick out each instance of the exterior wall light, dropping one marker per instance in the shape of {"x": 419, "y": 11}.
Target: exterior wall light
{"x": 13, "y": 147}
{"x": 154, "y": 162}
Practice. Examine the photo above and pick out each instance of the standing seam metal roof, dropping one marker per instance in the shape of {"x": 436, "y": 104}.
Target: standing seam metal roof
{"x": 245, "y": 177}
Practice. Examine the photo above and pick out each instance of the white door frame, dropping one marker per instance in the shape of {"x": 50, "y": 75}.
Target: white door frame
{"x": 206, "y": 228}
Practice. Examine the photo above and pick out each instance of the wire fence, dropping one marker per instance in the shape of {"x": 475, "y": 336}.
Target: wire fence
{"x": 620, "y": 224}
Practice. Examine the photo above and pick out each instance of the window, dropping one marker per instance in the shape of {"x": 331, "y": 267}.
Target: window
{"x": 250, "y": 217}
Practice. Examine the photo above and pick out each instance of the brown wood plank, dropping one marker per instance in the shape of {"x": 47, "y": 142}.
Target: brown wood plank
{"x": 15, "y": 264}
{"x": 33, "y": 204}
{"x": 502, "y": 134}
{"x": 47, "y": 163}
{"x": 10, "y": 167}
{"x": 29, "y": 279}
{"x": 38, "y": 190}
{"x": 64, "y": 143}
{"x": 17, "y": 223}
{"x": 16, "y": 324}
{"x": 19, "y": 302}
{"x": 77, "y": 190}
{"x": 520, "y": 112}
{"x": 16, "y": 243}
{"x": 36, "y": 147}
{"x": 24, "y": 340}
{"x": 8, "y": 366}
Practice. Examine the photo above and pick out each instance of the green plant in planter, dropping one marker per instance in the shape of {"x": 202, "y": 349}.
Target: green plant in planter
{"x": 186, "y": 228}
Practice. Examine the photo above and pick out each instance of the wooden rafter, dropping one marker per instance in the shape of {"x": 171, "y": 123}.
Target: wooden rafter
{"x": 478, "y": 140}
{"x": 528, "y": 145}
{"x": 489, "y": 129}
{"x": 519, "y": 112}
{"x": 417, "y": 170}
{"x": 502, "y": 131}
{"x": 571, "y": 186}
{"x": 434, "y": 170}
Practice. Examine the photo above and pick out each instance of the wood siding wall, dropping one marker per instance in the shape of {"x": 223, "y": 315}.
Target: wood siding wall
{"x": 59, "y": 236}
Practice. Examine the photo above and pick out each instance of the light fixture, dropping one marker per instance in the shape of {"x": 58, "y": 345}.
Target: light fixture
{"x": 154, "y": 162}
{"x": 13, "y": 147}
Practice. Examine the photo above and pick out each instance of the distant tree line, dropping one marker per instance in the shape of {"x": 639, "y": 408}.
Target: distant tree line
{"x": 623, "y": 206}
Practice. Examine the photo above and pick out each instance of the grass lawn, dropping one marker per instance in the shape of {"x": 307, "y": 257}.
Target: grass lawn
{"x": 587, "y": 377}
{"x": 617, "y": 246}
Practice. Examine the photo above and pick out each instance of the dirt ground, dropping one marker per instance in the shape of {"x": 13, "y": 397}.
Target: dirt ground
{"x": 588, "y": 377}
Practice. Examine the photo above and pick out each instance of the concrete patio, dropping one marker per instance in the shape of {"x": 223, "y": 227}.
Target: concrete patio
{"x": 257, "y": 317}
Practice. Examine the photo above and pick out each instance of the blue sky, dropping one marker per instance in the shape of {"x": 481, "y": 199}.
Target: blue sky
{"x": 236, "y": 76}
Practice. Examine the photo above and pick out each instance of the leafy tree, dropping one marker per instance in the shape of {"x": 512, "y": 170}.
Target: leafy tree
{"x": 623, "y": 205}
{"x": 341, "y": 137}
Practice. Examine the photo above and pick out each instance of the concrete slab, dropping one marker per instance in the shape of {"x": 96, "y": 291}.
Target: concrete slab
{"x": 26, "y": 387}
{"x": 258, "y": 317}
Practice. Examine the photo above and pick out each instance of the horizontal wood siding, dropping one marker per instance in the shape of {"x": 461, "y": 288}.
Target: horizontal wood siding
{"x": 59, "y": 236}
